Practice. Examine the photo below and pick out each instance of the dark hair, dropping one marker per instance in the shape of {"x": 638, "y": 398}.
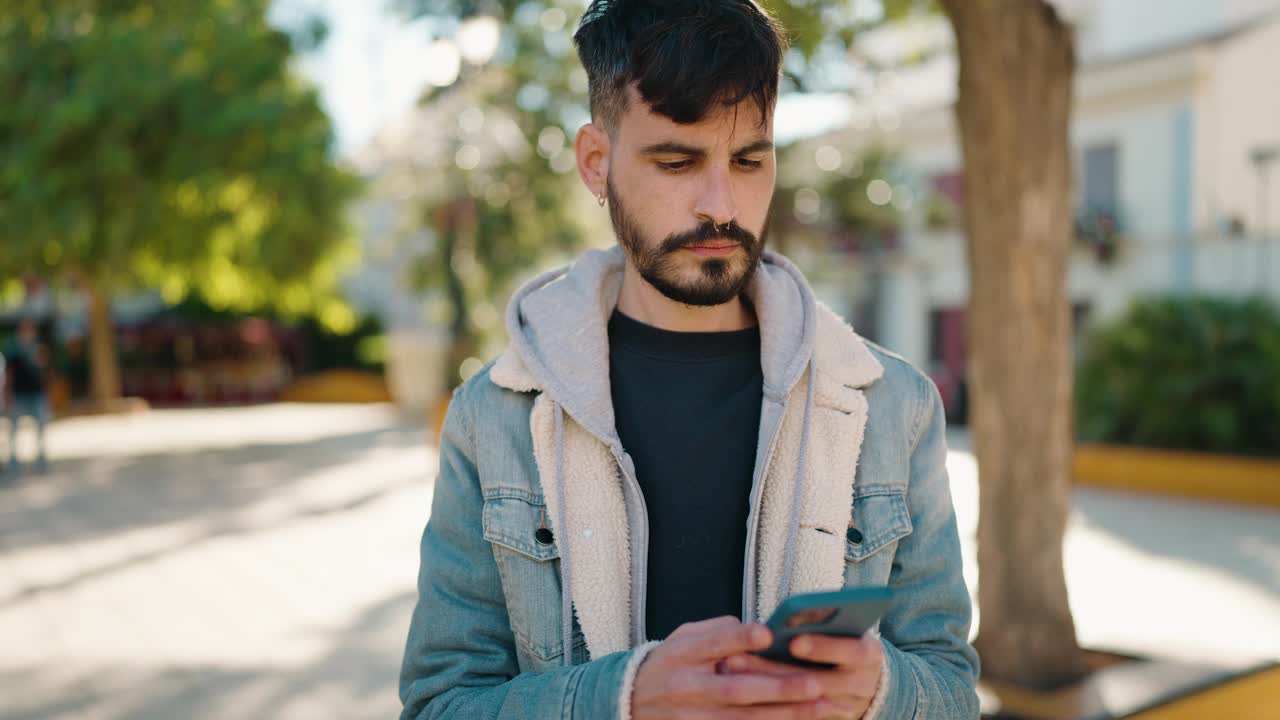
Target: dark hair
{"x": 683, "y": 56}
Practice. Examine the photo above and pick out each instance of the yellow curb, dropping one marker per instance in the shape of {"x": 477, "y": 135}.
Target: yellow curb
{"x": 1252, "y": 697}
{"x": 337, "y": 386}
{"x": 1198, "y": 475}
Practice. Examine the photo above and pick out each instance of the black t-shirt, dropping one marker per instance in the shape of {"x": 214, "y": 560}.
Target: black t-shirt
{"x": 687, "y": 408}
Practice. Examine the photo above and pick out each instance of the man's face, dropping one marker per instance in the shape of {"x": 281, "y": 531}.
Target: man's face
{"x": 689, "y": 203}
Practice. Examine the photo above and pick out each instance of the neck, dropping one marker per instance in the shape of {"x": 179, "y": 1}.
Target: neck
{"x": 641, "y": 301}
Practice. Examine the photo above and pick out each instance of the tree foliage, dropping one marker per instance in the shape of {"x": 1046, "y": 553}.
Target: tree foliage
{"x": 1218, "y": 387}
{"x": 165, "y": 144}
{"x": 833, "y": 208}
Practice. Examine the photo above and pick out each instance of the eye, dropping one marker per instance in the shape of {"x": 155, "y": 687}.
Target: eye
{"x": 676, "y": 166}
{"x": 748, "y": 164}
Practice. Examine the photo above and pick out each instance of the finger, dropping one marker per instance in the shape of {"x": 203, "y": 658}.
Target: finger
{"x": 749, "y": 663}
{"x": 721, "y": 642}
{"x": 839, "y": 651}
{"x": 702, "y": 626}
{"x": 842, "y": 686}
{"x": 741, "y": 690}
{"x": 838, "y": 684}
{"x": 777, "y": 711}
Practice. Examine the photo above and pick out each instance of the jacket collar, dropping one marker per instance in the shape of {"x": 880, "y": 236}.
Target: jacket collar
{"x": 793, "y": 325}
{"x": 842, "y": 357}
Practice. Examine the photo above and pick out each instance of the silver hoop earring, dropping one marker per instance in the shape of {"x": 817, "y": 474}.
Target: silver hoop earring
{"x": 600, "y": 199}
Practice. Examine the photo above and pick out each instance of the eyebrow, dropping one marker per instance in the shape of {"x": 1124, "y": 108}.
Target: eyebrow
{"x": 676, "y": 148}
{"x": 755, "y": 147}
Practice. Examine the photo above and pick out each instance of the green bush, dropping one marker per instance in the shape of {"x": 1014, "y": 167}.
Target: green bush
{"x": 1187, "y": 373}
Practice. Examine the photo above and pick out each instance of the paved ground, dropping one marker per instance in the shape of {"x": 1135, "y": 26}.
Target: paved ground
{"x": 241, "y": 563}
{"x": 259, "y": 563}
{"x": 1172, "y": 578}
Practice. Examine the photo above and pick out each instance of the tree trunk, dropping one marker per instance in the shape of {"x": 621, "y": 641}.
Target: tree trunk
{"x": 1016, "y": 69}
{"x": 461, "y": 346}
{"x": 104, "y": 364}
{"x": 459, "y": 223}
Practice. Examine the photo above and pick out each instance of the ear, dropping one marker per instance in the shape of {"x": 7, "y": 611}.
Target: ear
{"x": 592, "y": 149}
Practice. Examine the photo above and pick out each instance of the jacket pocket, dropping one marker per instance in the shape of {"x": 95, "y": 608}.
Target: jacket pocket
{"x": 513, "y": 518}
{"x": 879, "y": 519}
{"x": 517, "y": 524}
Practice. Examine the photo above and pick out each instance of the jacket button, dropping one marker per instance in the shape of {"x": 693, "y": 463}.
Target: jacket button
{"x": 543, "y": 536}
{"x": 854, "y": 535}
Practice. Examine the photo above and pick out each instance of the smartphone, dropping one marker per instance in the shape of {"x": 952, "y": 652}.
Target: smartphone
{"x": 844, "y": 613}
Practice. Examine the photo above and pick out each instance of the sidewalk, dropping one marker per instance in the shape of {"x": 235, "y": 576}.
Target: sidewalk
{"x": 239, "y": 563}
{"x": 260, "y": 563}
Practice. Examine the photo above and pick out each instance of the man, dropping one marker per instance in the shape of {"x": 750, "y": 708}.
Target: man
{"x": 679, "y": 437}
{"x": 28, "y": 386}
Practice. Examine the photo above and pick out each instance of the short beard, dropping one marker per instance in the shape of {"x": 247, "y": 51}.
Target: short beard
{"x": 719, "y": 280}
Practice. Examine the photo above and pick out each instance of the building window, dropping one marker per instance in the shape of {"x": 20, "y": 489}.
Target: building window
{"x": 1101, "y": 179}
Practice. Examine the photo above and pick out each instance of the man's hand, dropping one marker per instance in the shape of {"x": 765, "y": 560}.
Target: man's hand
{"x": 679, "y": 678}
{"x": 847, "y": 689}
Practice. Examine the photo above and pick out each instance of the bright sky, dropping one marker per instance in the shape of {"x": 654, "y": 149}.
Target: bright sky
{"x": 373, "y": 68}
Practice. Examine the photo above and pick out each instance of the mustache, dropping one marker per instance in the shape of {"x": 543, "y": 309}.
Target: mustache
{"x": 707, "y": 232}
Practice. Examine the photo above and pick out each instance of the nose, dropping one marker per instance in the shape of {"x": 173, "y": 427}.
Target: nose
{"x": 716, "y": 203}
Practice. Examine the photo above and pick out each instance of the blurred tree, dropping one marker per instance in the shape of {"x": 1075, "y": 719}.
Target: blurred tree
{"x": 834, "y": 209}
{"x": 165, "y": 144}
{"x": 502, "y": 198}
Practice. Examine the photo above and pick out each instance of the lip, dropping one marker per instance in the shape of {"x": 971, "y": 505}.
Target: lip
{"x": 713, "y": 250}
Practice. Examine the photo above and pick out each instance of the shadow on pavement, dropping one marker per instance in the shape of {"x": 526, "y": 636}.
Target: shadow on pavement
{"x": 205, "y": 490}
{"x": 356, "y": 678}
{"x": 89, "y": 498}
{"x": 1235, "y": 539}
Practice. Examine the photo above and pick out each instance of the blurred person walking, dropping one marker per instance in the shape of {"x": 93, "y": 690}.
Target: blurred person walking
{"x": 27, "y": 390}
{"x": 4, "y": 397}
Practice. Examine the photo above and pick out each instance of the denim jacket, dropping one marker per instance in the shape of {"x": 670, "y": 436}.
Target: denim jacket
{"x": 532, "y": 582}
